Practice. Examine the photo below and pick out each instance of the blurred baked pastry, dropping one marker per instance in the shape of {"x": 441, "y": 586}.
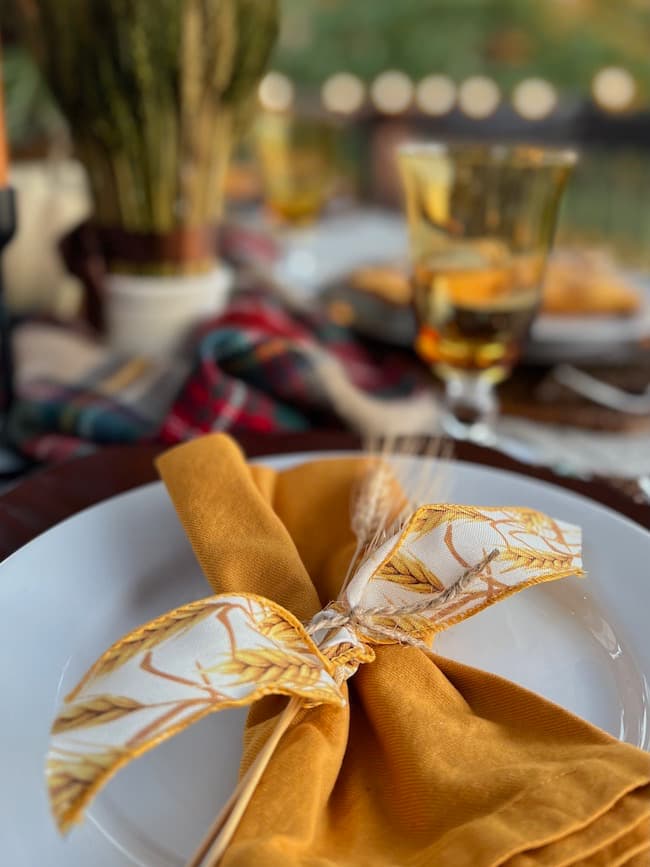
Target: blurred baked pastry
{"x": 388, "y": 282}
{"x": 586, "y": 283}
{"x": 577, "y": 283}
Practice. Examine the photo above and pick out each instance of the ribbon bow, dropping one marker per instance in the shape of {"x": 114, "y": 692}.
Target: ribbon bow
{"x": 445, "y": 564}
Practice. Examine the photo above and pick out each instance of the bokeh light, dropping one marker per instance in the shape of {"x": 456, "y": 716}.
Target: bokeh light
{"x": 479, "y": 97}
{"x": 614, "y": 88}
{"x": 343, "y": 93}
{"x": 534, "y": 98}
{"x": 392, "y": 92}
{"x": 276, "y": 92}
{"x": 436, "y": 95}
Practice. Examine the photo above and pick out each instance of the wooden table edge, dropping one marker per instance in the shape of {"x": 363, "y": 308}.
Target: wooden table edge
{"x": 55, "y": 493}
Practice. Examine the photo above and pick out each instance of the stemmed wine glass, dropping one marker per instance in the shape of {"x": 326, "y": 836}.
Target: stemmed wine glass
{"x": 481, "y": 221}
{"x": 297, "y": 158}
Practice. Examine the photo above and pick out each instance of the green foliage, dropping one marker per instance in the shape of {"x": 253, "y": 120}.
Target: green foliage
{"x": 507, "y": 39}
{"x": 30, "y": 112}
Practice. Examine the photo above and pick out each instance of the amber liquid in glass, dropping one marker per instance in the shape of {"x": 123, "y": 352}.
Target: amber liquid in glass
{"x": 475, "y": 319}
{"x": 297, "y": 179}
{"x": 296, "y": 207}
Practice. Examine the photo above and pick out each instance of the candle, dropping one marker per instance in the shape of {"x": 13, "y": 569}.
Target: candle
{"x": 4, "y": 151}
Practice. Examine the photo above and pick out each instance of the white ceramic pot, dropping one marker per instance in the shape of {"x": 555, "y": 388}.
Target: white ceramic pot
{"x": 154, "y": 315}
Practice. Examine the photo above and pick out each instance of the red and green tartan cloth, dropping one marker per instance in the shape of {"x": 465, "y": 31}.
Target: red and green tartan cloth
{"x": 253, "y": 368}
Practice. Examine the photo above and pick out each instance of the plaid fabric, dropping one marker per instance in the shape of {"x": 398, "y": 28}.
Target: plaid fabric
{"x": 254, "y": 368}
{"x": 53, "y": 421}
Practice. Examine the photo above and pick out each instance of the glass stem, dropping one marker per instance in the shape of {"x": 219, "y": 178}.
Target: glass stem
{"x": 470, "y": 409}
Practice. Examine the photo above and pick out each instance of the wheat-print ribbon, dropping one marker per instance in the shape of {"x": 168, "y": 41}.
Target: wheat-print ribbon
{"x": 446, "y": 563}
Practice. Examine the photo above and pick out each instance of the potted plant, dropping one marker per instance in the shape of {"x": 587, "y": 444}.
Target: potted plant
{"x": 155, "y": 95}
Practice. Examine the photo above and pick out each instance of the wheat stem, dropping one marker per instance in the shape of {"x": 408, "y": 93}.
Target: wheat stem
{"x": 221, "y": 832}
{"x": 216, "y": 826}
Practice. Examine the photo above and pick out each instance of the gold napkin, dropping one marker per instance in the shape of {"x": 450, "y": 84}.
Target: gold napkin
{"x": 432, "y": 762}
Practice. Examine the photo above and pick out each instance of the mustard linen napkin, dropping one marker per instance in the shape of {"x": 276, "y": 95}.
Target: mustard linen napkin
{"x": 432, "y": 762}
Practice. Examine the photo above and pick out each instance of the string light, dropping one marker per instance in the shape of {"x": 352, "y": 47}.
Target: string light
{"x": 275, "y": 92}
{"x": 392, "y": 92}
{"x": 478, "y": 97}
{"x": 614, "y": 88}
{"x": 534, "y": 98}
{"x": 343, "y": 93}
{"x": 436, "y": 95}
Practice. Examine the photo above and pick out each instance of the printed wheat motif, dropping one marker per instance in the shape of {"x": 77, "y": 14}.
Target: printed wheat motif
{"x": 538, "y": 524}
{"x": 336, "y": 651}
{"x": 148, "y": 637}
{"x": 530, "y": 520}
{"x": 94, "y": 712}
{"x": 410, "y": 572}
{"x": 269, "y": 665}
{"x": 70, "y": 778}
{"x": 345, "y": 651}
{"x": 280, "y": 630}
{"x": 539, "y": 561}
{"x": 429, "y": 518}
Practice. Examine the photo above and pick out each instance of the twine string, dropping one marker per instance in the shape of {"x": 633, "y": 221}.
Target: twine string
{"x": 364, "y": 621}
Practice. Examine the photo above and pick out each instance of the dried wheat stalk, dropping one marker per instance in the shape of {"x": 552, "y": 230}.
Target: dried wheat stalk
{"x": 221, "y": 832}
{"x": 374, "y": 517}
{"x": 155, "y": 95}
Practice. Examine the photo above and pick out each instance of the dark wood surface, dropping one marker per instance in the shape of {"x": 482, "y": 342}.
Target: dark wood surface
{"x": 53, "y": 494}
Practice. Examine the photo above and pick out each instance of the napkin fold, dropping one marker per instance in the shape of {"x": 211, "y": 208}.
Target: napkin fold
{"x": 432, "y": 762}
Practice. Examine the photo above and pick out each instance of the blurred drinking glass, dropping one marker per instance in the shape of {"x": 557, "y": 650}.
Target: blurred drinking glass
{"x": 481, "y": 220}
{"x": 297, "y": 157}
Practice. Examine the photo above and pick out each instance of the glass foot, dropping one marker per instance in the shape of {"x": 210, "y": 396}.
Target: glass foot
{"x": 470, "y": 410}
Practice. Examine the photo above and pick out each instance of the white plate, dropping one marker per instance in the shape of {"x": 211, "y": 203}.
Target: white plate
{"x": 68, "y": 594}
{"x": 585, "y": 338}
{"x": 315, "y": 256}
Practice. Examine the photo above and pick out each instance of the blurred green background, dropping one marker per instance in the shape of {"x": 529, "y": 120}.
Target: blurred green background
{"x": 564, "y": 42}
